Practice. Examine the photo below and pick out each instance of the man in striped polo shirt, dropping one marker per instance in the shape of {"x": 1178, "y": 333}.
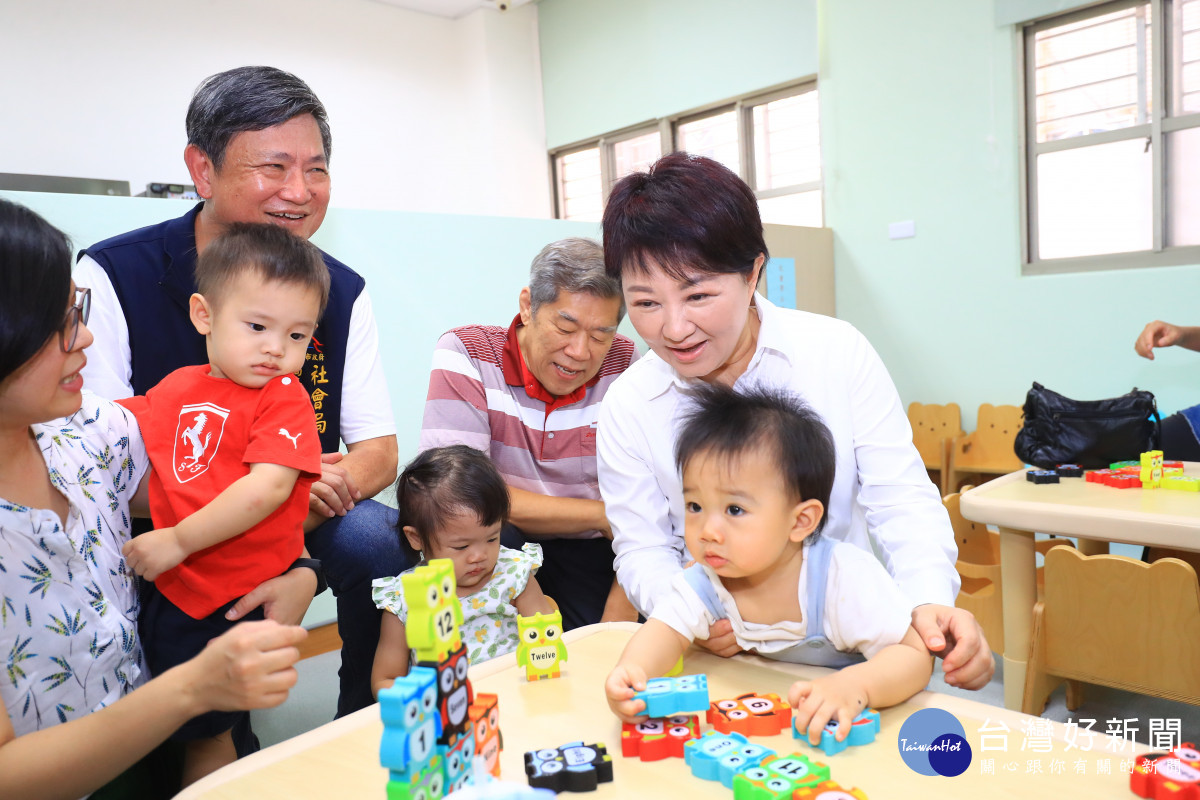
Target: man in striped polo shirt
{"x": 529, "y": 396}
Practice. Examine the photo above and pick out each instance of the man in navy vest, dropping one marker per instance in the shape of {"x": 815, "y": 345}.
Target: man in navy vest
{"x": 258, "y": 151}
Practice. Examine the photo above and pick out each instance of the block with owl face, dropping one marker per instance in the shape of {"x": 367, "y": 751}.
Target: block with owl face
{"x": 454, "y": 693}
{"x": 666, "y": 697}
{"x": 778, "y": 777}
{"x": 750, "y": 714}
{"x": 426, "y": 783}
{"x": 540, "y": 649}
{"x": 1175, "y": 774}
{"x": 828, "y": 790}
{"x": 434, "y": 612}
{"x": 411, "y": 723}
{"x": 485, "y": 719}
{"x": 656, "y": 739}
{"x": 862, "y": 731}
{"x": 458, "y": 760}
{"x": 573, "y": 767}
{"x": 717, "y": 756}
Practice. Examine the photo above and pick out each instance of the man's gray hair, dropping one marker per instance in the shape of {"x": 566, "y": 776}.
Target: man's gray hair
{"x": 571, "y": 265}
{"x": 249, "y": 99}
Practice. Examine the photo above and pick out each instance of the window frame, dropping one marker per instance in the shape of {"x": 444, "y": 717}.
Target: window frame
{"x": 668, "y": 129}
{"x": 1159, "y": 124}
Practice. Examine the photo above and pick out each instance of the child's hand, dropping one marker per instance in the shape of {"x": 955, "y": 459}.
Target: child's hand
{"x": 838, "y": 696}
{"x": 154, "y": 552}
{"x": 620, "y": 687}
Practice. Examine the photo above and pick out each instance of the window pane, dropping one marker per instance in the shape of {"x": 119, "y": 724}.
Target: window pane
{"x": 1094, "y": 200}
{"x": 1185, "y": 57}
{"x": 787, "y": 142}
{"x": 1183, "y": 190}
{"x": 802, "y": 208}
{"x": 636, "y": 154}
{"x": 715, "y": 137}
{"x": 579, "y": 191}
{"x": 1093, "y": 75}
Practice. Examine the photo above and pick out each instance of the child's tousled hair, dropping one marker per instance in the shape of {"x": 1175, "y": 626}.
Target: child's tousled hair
{"x": 266, "y": 250}
{"x": 774, "y": 422}
{"x": 446, "y": 481}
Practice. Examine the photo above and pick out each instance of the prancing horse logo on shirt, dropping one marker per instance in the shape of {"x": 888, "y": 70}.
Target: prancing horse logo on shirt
{"x": 197, "y": 439}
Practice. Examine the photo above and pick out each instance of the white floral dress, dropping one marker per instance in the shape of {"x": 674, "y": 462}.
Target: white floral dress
{"x": 489, "y": 626}
{"x": 68, "y": 605}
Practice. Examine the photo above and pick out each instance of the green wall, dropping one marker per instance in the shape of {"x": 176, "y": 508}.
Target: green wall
{"x": 608, "y": 64}
{"x": 919, "y": 122}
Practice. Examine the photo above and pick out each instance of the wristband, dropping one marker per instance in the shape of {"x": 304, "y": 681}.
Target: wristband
{"x": 315, "y": 565}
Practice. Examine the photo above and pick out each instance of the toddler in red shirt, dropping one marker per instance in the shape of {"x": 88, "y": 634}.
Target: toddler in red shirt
{"x": 234, "y": 449}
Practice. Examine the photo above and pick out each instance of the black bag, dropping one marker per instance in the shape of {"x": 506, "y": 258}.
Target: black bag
{"x": 1091, "y": 433}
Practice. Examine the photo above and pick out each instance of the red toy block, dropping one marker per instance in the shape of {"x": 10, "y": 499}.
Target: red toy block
{"x": 1123, "y": 481}
{"x": 656, "y": 739}
{"x": 1168, "y": 776}
{"x": 750, "y": 714}
{"x": 829, "y": 790}
{"x": 1098, "y": 475}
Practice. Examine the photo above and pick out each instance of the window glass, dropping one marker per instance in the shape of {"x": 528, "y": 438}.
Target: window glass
{"x": 787, "y": 142}
{"x": 801, "y": 208}
{"x": 1183, "y": 187}
{"x": 580, "y": 193}
{"x": 636, "y": 154}
{"x": 715, "y": 137}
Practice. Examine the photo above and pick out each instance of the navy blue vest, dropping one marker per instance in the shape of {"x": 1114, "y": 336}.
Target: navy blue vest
{"x": 152, "y": 271}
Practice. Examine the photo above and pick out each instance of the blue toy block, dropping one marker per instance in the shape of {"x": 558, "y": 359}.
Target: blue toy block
{"x": 717, "y": 756}
{"x": 862, "y": 731}
{"x": 666, "y": 697}
{"x": 425, "y": 783}
{"x": 411, "y": 723}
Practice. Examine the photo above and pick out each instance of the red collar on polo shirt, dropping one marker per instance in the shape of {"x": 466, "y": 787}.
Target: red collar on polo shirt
{"x": 516, "y": 373}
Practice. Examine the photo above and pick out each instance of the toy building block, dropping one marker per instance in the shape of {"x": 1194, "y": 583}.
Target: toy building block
{"x": 828, "y": 790}
{"x": 485, "y": 719}
{"x": 778, "y": 777}
{"x": 862, "y": 731}
{"x": 1172, "y": 472}
{"x": 1041, "y": 476}
{"x": 541, "y": 650}
{"x": 1167, "y": 776}
{"x": 675, "y": 670}
{"x": 1097, "y": 475}
{"x": 1173, "y": 465}
{"x": 666, "y": 697}
{"x": 422, "y": 784}
{"x": 1181, "y": 483}
{"x": 573, "y": 767}
{"x": 411, "y": 723}
{"x": 1123, "y": 464}
{"x": 750, "y": 714}
{"x": 457, "y": 760}
{"x": 656, "y": 739}
{"x": 454, "y": 693}
{"x": 1123, "y": 481}
{"x": 717, "y": 756}
{"x": 434, "y": 613}
{"x": 1069, "y": 471}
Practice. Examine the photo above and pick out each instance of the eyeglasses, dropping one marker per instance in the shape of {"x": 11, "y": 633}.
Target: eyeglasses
{"x": 76, "y": 315}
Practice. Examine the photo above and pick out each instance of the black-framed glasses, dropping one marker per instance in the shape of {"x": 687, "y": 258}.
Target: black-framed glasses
{"x": 77, "y": 315}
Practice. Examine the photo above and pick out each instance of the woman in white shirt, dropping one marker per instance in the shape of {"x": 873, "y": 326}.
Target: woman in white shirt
{"x": 79, "y": 710}
{"x": 686, "y": 240}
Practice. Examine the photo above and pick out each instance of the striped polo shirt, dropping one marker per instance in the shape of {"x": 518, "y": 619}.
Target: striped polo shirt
{"x": 478, "y": 397}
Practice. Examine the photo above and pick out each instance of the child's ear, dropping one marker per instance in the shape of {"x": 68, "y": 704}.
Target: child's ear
{"x": 414, "y": 539}
{"x": 201, "y": 313}
{"x": 806, "y": 516}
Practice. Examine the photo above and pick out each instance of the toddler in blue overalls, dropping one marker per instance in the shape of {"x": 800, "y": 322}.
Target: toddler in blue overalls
{"x": 757, "y": 470}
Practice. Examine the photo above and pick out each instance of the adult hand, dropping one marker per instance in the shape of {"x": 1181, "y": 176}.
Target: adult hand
{"x": 154, "y": 552}
{"x": 335, "y": 492}
{"x": 1156, "y": 334}
{"x": 249, "y": 666}
{"x": 954, "y": 635}
{"x": 284, "y": 599}
{"x": 721, "y": 640}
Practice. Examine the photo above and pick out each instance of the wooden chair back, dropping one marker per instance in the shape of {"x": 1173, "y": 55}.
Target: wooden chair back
{"x": 1118, "y": 622}
{"x": 987, "y": 450}
{"x": 934, "y": 427}
{"x": 978, "y": 567}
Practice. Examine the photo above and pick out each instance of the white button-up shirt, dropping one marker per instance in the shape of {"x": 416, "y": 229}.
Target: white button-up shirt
{"x": 68, "y": 605}
{"x": 882, "y": 500}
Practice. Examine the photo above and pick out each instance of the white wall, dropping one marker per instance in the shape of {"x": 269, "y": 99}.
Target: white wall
{"x": 428, "y": 114}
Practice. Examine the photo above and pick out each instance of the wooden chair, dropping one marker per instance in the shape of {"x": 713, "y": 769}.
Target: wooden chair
{"x": 987, "y": 450}
{"x": 934, "y": 428}
{"x": 1117, "y": 622}
{"x": 978, "y": 565}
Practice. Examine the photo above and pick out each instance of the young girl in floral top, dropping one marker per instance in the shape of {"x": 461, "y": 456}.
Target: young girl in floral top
{"x": 453, "y": 503}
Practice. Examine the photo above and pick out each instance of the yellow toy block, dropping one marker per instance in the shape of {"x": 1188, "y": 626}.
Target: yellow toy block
{"x": 1151, "y": 469}
{"x": 1182, "y": 483}
{"x": 434, "y": 613}
{"x": 540, "y": 650}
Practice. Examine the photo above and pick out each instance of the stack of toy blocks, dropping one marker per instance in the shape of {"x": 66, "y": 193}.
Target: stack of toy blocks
{"x": 1151, "y": 469}
{"x": 431, "y": 717}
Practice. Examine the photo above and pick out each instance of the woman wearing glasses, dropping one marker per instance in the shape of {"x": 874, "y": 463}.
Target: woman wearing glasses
{"x": 80, "y": 710}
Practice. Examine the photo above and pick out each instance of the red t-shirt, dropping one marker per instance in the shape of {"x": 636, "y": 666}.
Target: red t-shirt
{"x": 202, "y": 434}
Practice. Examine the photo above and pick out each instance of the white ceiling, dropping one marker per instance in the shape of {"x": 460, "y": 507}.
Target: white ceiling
{"x": 452, "y": 9}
